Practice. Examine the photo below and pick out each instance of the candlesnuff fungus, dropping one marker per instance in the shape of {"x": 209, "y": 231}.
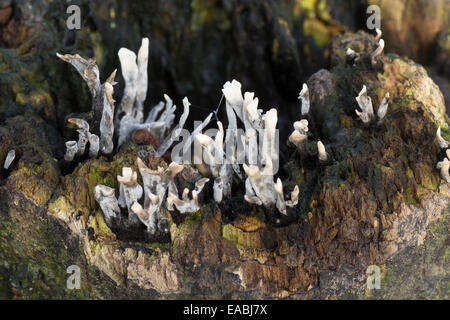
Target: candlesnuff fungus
{"x": 261, "y": 189}
{"x": 102, "y": 102}
{"x": 365, "y": 103}
{"x": 216, "y": 160}
{"x": 185, "y": 204}
{"x": 382, "y": 109}
{"x": 441, "y": 141}
{"x": 379, "y": 34}
{"x": 108, "y": 203}
{"x": 130, "y": 191}
{"x": 84, "y": 136}
{"x": 157, "y": 185}
{"x": 377, "y": 52}
{"x": 444, "y": 166}
{"x": 281, "y": 204}
{"x": 161, "y": 116}
{"x": 299, "y": 136}
{"x": 156, "y": 182}
{"x": 154, "y": 124}
{"x": 322, "y": 152}
{"x": 136, "y": 78}
{"x": 83, "y": 131}
{"x": 260, "y": 154}
{"x": 352, "y": 56}
{"x": 130, "y": 111}
{"x": 304, "y": 97}
{"x": 94, "y": 145}
{"x": 176, "y": 131}
{"x": 71, "y": 150}
{"x": 9, "y": 158}
{"x": 107, "y": 121}
{"x": 149, "y": 215}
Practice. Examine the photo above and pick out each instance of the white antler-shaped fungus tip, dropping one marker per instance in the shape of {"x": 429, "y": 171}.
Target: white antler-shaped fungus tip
{"x": 175, "y": 168}
{"x": 377, "y": 52}
{"x": 109, "y": 91}
{"x": 128, "y": 63}
{"x": 382, "y": 109}
{"x": 296, "y": 137}
{"x": 323, "y": 155}
{"x": 143, "y": 51}
{"x": 379, "y": 34}
{"x": 252, "y": 171}
{"x": 232, "y": 92}
{"x": 441, "y": 141}
{"x": 365, "y": 103}
{"x": 350, "y": 53}
{"x": 9, "y": 159}
{"x": 186, "y": 102}
{"x": 294, "y": 197}
{"x": 301, "y": 126}
{"x": 304, "y": 97}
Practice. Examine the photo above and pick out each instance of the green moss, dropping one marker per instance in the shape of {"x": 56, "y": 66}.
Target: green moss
{"x": 404, "y": 278}
{"x": 318, "y": 31}
{"x": 35, "y": 252}
{"x": 189, "y": 225}
{"x": 241, "y": 238}
{"x": 315, "y": 8}
{"x": 409, "y": 173}
{"x": 196, "y": 216}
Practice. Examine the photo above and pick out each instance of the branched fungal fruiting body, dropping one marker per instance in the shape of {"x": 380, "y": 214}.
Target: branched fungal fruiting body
{"x": 185, "y": 204}
{"x": 71, "y": 150}
{"x": 161, "y": 116}
{"x": 136, "y": 80}
{"x": 108, "y": 203}
{"x": 84, "y": 136}
{"x": 130, "y": 191}
{"x": 377, "y": 52}
{"x": 219, "y": 169}
{"x": 157, "y": 181}
{"x": 149, "y": 215}
{"x": 260, "y": 186}
{"x": 367, "y": 115}
{"x": 102, "y": 102}
{"x": 107, "y": 121}
{"x": 365, "y": 103}
{"x": 259, "y": 143}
